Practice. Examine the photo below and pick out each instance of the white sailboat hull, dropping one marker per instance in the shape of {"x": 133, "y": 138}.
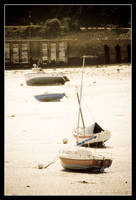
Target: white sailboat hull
{"x": 101, "y": 137}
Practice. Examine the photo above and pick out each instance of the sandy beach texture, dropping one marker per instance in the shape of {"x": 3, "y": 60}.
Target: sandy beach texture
{"x": 34, "y": 132}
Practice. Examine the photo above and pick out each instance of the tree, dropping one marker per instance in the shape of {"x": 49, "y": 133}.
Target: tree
{"x": 75, "y": 25}
{"x": 66, "y": 22}
{"x": 52, "y": 27}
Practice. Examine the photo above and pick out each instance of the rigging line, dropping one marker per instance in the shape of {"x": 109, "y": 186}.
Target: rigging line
{"x": 92, "y": 114}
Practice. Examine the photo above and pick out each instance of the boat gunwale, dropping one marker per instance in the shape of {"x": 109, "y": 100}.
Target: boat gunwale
{"x": 80, "y": 159}
{"x": 105, "y": 133}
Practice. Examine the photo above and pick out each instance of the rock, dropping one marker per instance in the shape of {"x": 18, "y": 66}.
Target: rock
{"x": 83, "y": 181}
{"x": 65, "y": 140}
{"x": 40, "y": 166}
{"x": 12, "y": 115}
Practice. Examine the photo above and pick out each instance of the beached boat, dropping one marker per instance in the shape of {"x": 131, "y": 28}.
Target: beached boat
{"x": 50, "y": 97}
{"x": 85, "y": 135}
{"x": 77, "y": 157}
{"x": 41, "y": 78}
{"x": 82, "y": 158}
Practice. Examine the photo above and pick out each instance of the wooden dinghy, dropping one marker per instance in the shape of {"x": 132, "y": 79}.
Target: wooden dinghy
{"x": 82, "y": 158}
{"x": 37, "y": 79}
{"x": 50, "y": 97}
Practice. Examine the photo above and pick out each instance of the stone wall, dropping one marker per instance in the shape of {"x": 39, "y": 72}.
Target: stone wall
{"x": 93, "y": 42}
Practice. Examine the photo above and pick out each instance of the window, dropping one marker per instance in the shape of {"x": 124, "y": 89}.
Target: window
{"x": 118, "y": 54}
{"x": 53, "y": 51}
{"x": 24, "y": 53}
{"x": 15, "y": 53}
{"x": 62, "y": 51}
{"x": 129, "y": 52}
{"x": 107, "y": 54}
{"x": 7, "y": 53}
{"x": 44, "y": 52}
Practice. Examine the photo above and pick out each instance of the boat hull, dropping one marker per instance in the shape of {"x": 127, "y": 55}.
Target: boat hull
{"x": 82, "y": 158}
{"x": 35, "y": 79}
{"x": 99, "y": 138}
{"x": 49, "y": 97}
{"x": 78, "y": 164}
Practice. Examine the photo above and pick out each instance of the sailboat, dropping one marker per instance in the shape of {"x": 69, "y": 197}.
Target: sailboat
{"x": 83, "y": 158}
{"x": 93, "y": 135}
{"x": 77, "y": 157}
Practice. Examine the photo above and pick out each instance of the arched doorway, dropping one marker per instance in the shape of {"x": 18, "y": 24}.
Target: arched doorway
{"x": 129, "y": 52}
{"x": 118, "y": 54}
{"x": 107, "y": 54}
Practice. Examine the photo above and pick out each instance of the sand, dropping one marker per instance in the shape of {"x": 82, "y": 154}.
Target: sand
{"x": 34, "y": 132}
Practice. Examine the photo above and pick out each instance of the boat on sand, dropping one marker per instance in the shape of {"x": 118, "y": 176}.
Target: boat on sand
{"x": 82, "y": 158}
{"x": 41, "y": 78}
{"x": 77, "y": 157}
{"x": 85, "y": 135}
{"x": 50, "y": 97}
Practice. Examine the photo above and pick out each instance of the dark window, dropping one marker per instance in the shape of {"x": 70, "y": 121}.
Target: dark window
{"x": 107, "y": 54}
{"x": 129, "y": 52}
{"x": 118, "y": 54}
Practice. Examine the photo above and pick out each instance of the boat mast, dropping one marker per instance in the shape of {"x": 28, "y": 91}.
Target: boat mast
{"x": 79, "y": 99}
{"x": 81, "y": 89}
{"x": 80, "y": 110}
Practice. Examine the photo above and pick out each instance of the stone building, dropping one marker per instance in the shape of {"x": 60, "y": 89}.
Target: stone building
{"x": 104, "y": 45}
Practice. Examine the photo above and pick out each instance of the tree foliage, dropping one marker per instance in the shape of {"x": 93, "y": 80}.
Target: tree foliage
{"x": 52, "y": 27}
{"x": 85, "y": 15}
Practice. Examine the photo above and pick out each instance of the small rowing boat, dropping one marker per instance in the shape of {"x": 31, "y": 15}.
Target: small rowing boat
{"x": 50, "y": 97}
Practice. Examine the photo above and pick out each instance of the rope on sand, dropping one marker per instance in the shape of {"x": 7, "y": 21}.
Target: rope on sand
{"x": 42, "y": 166}
{"x": 53, "y": 161}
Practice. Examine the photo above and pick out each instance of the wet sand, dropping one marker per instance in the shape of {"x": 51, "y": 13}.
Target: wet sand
{"x": 34, "y": 132}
